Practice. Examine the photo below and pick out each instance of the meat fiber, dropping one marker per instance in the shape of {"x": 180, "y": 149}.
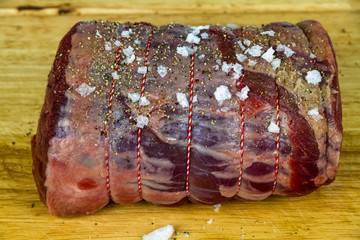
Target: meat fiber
{"x": 176, "y": 113}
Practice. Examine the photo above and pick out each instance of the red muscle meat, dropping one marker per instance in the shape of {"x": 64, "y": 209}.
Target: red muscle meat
{"x": 176, "y": 113}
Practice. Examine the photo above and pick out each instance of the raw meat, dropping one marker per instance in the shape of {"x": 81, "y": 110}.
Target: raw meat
{"x": 263, "y": 106}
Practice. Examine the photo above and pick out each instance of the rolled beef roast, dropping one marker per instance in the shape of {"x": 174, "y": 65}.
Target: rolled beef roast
{"x": 175, "y": 113}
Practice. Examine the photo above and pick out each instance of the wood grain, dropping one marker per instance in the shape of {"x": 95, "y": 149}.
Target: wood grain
{"x": 28, "y": 42}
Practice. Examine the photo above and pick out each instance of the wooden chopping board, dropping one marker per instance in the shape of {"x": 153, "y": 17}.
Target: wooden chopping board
{"x": 29, "y": 35}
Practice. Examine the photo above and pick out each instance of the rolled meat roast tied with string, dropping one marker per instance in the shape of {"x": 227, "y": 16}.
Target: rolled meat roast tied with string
{"x": 175, "y": 113}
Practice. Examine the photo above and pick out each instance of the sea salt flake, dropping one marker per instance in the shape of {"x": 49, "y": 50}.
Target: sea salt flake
{"x": 85, "y": 90}
{"x": 218, "y": 61}
{"x": 216, "y": 67}
{"x": 195, "y": 98}
{"x": 115, "y": 75}
{"x": 196, "y": 29}
{"x": 117, "y": 43}
{"x": 222, "y": 93}
{"x": 142, "y": 70}
{"x": 226, "y": 67}
{"x": 144, "y": 101}
{"x": 141, "y": 121}
{"x": 241, "y": 57}
{"x": 126, "y": 33}
{"x": 247, "y": 42}
{"x": 280, "y": 48}
{"x": 191, "y": 38}
{"x": 108, "y": 46}
{"x": 314, "y": 113}
{"x": 243, "y": 94}
{"x": 210, "y": 221}
{"x": 217, "y": 207}
{"x": 293, "y": 44}
{"x": 241, "y": 45}
{"x": 129, "y": 53}
{"x": 134, "y": 97}
{"x": 252, "y": 62}
{"x": 137, "y": 41}
{"x": 313, "y": 77}
{"x": 237, "y": 68}
{"x": 254, "y": 51}
{"x": 288, "y": 51}
{"x": 268, "y": 55}
{"x": 162, "y": 70}
{"x": 163, "y": 233}
{"x": 182, "y": 51}
{"x": 186, "y": 234}
{"x": 232, "y": 26}
{"x": 276, "y": 63}
{"x": 182, "y": 99}
{"x": 312, "y": 56}
{"x": 270, "y": 33}
{"x": 273, "y": 128}
{"x": 98, "y": 34}
{"x": 202, "y": 56}
{"x": 204, "y": 35}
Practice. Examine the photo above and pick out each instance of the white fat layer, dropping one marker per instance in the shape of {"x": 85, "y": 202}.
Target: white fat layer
{"x": 313, "y": 77}
{"x": 85, "y": 90}
{"x": 182, "y": 99}
{"x": 163, "y": 233}
{"x": 222, "y": 93}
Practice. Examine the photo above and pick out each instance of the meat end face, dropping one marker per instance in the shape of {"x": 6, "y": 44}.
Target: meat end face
{"x": 177, "y": 113}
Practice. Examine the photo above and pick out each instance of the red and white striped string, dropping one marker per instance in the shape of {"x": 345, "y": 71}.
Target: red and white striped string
{"x": 140, "y": 113}
{"x": 107, "y": 119}
{"x": 190, "y": 120}
{"x": 277, "y": 136}
{"x": 242, "y": 124}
